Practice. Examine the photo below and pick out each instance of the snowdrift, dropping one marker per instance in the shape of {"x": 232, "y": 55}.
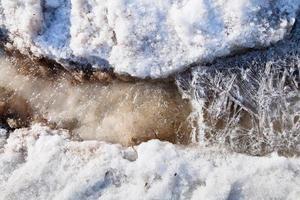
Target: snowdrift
{"x": 144, "y": 38}
{"x": 39, "y": 163}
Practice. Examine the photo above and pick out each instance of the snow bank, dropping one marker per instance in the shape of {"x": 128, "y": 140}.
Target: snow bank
{"x": 141, "y": 37}
{"x": 40, "y": 163}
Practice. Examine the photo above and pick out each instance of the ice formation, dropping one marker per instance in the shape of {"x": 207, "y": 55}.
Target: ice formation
{"x": 252, "y": 99}
{"x": 144, "y": 38}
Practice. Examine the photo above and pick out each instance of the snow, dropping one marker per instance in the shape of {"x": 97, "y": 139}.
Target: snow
{"x": 144, "y": 38}
{"x": 39, "y": 163}
{"x": 3, "y": 133}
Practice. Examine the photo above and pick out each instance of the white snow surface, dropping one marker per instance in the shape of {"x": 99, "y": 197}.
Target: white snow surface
{"x": 39, "y": 163}
{"x": 144, "y": 38}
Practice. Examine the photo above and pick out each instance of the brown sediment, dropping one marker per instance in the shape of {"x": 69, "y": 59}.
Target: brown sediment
{"x": 94, "y": 104}
{"x": 50, "y": 69}
{"x": 15, "y": 112}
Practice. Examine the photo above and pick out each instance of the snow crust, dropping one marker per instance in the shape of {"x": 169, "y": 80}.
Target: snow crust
{"x": 144, "y": 38}
{"x": 39, "y": 163}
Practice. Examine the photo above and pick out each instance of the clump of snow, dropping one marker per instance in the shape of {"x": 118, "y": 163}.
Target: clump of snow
{"x": 145, "y": 38}
{"x": 39, "y": 163}
{"x": 23, "y": 19}
{"x": 3, "y": 134}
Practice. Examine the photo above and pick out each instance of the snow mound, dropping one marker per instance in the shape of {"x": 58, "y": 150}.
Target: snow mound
{"x": 39, "y": 163}
{"x": 144, "y": 38}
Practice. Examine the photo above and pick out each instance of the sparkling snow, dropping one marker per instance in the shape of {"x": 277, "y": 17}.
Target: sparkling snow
{"x": 40, "y": 163}
{"x": 141, "y": 37}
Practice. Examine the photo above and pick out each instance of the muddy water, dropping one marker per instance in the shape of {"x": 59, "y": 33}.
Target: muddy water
{"x": 118, "y": 112}
{"x": 100, "y": 106}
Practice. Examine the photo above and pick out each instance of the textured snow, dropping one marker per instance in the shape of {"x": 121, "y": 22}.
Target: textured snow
{"x": 141, "y": 37}
{"x": 3, "y": 133}
{"x": 39, "y": 163}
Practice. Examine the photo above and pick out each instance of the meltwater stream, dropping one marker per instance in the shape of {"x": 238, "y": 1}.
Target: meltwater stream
{"x": 119, "y": 112}
{"x": 39, "y": 160}
{"x": 249, "y": 109}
